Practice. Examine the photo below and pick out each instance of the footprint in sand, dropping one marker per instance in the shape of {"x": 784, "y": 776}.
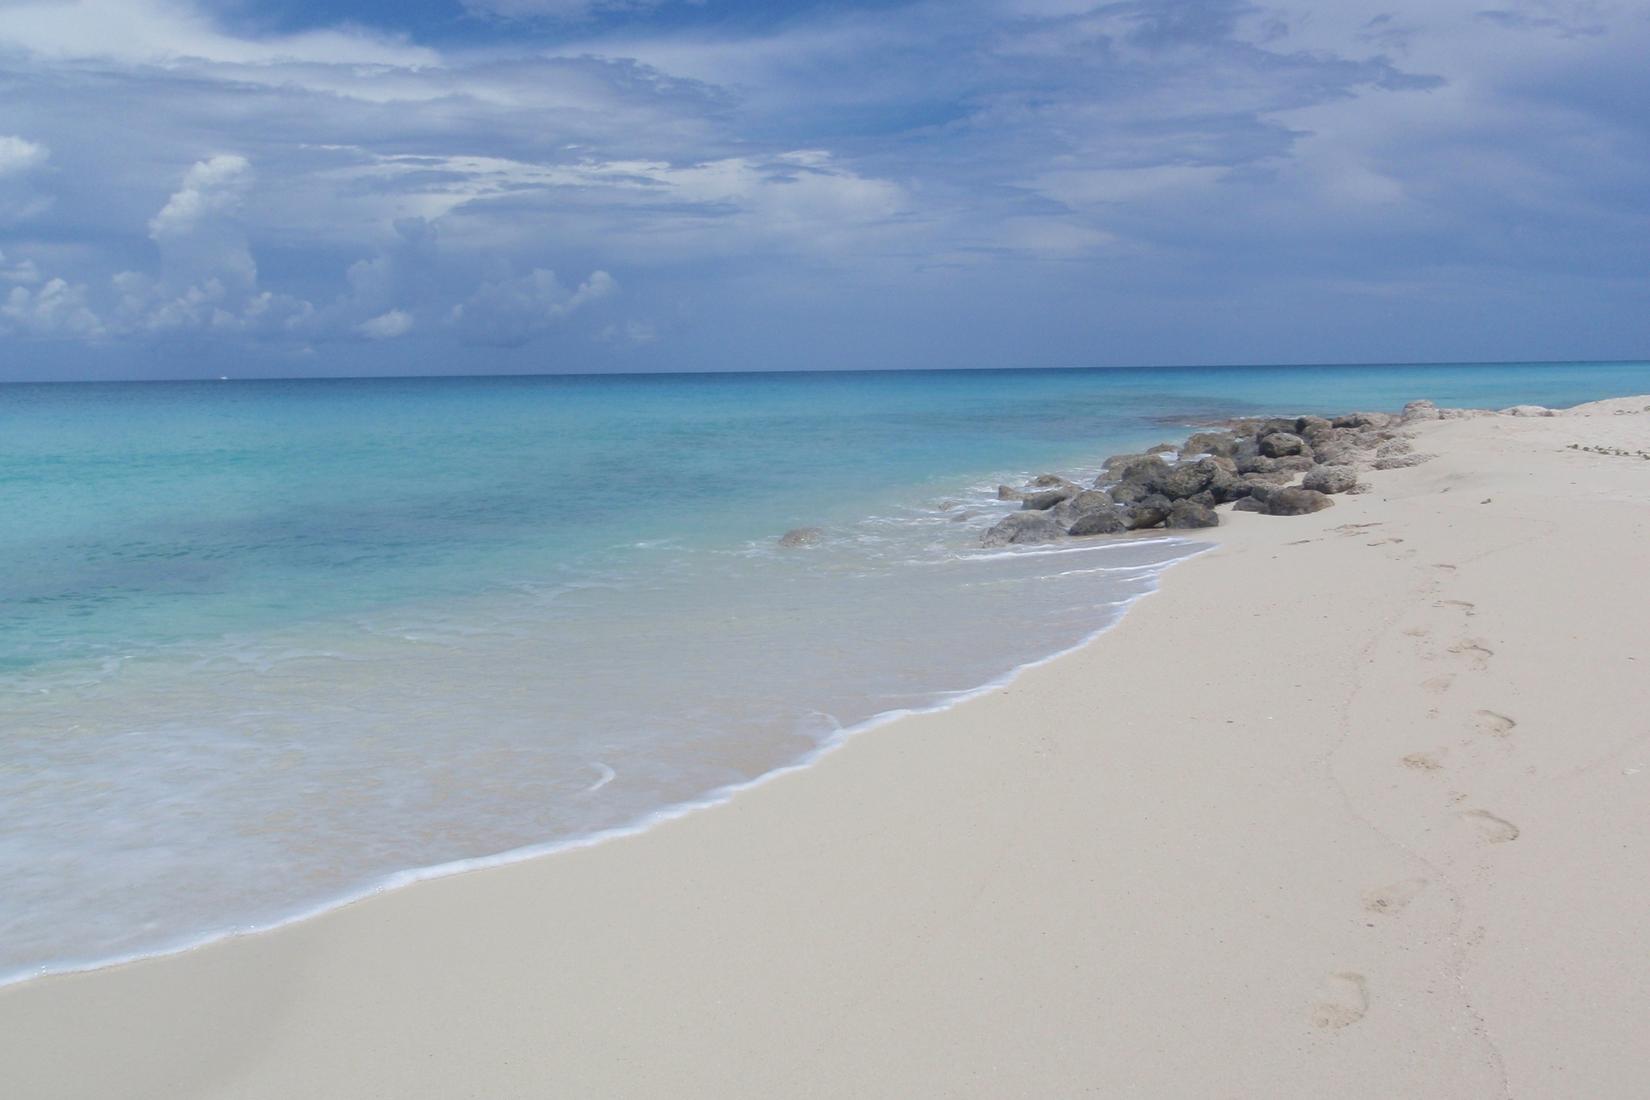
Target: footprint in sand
{"x": 1422, "y": 762}
{"x": 1475, "y": 651}
{"x": 1466, "y": 607}
{"x": 1494, "y": 829}
{"x": 1496, "y": 725}
{"x": 1392, "y": 897}
{"x": 1439, "y": 684}
{"x": 1346, "y": 1003}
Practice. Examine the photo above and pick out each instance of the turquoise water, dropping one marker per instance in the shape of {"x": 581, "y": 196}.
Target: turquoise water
{"x": 267, "y": 645}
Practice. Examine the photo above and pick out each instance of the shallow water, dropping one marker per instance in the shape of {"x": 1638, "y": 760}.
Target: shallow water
{"x": 265, "y": 646}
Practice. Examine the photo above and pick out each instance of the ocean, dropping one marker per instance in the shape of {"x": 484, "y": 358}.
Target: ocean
{"x": 267, "y": 646}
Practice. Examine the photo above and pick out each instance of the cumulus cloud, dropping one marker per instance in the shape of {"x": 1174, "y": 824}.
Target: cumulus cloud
{"x": 1027, "y": 171}
{"x": 510, "y": 312}
{"x": 18, "y": 155}
{"x": 387, "y": 325}
{"x": 53, "y": 309}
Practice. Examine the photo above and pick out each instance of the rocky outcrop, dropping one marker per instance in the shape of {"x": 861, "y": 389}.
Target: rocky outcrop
{"x": 1252, "y": 464}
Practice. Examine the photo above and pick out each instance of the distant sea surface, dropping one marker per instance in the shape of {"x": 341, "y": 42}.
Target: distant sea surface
{"x": 268, "y": 646}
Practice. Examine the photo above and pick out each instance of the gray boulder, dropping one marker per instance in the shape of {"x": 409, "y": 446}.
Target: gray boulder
{"x": 1184, "y": 480}
{"x": 1045, "y": 499}
{"x": 1290, "y": 501}
{"x": 1364, "y": 420}
{"x": 1420, "y": 410}
{"x": 1210, "y": 443}
{"x": 1047, "y": 481}
{"x": 1023, "y": 527}
{"x": 1101, "y": 521}
{"x": 1282, "y": 445}
{"x": 1260, "y": 464}
{"x": 801, "y": 536}
{"x": 1305, "y": 425}
{"x": 1134, "y": 467}
{"x": 1330, "y": 479}
{"x": 1185, "y": 514}
{"x": 1150, "y": 512}
{"x": 1008, "y": 492}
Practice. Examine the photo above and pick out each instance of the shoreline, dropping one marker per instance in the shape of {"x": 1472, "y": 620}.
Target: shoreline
{"x": 960, "y": 866}
{"x": 412, "y": 876}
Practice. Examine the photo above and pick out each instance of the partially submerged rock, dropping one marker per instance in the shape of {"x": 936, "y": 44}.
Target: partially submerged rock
{"x": 801, "y": 536}
{"x": 1109, "y": 520}
{"x": 1045, "y": 499}
{"x": 1023, "y": 527}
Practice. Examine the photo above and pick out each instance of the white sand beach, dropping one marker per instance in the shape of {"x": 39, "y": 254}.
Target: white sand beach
{"x": 1358, "y": 805}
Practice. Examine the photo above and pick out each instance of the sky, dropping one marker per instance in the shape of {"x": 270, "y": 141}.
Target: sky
{"x": 197, "y": 188}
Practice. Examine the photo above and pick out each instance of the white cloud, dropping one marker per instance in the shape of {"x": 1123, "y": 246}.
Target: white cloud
{"x": 54, "y": 309}
{"x": 169, "y": 31}
{"x": 19, "y": 155}
{"x": 386, "y": 326}
{"x": 23, "y": 271}
{"x": 509, "y": 312}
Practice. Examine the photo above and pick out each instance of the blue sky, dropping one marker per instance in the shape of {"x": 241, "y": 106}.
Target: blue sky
{"x": 203, "y": 187}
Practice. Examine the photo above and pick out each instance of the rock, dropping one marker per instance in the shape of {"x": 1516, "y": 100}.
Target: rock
{"x": 1420, "y": 410}
{"x": 801, "y": 536}
{"x": 1161, "y": 449}
{"x": 1205, "y": 498}
{"x": 1402, "y": 462}
{"x": 1219, "y": 444}
{"x": 1364, "y": 420}
{"x": 1046, "y": 498}
{"x": 1250, "y": 504}
{"x": 1330, "y": 479}
{"x": 1394, "y": 447}
{"x": 1296, "y": 502}
{"x": 1101, "y": 521}
{"x": 1307, "y": 424}
{"x": 1133, "y": 467}
{"x": 1281, "y": 445}
{"x": 1527, "y": 410}
{"x": 1189, "y": 513}
{"x": 1184, "y": 480}
{"x": 1129, "y": 492}
{"x": 1008, "y": 492}
{"x": 1047, "y": 481}
{"x": 1340, "y": 452}
{"x": 1226, "y": 487}
{"x": 1465, "y": 414}
{"x": 1023, "y": 527}
{"x": 1069, "y": 511}
{"x": 1260, "y": 464}
{"x": 1149, "y": 512}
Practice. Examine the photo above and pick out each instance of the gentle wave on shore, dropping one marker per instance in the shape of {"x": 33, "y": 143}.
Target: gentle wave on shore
{"x": 269, "y": 646}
